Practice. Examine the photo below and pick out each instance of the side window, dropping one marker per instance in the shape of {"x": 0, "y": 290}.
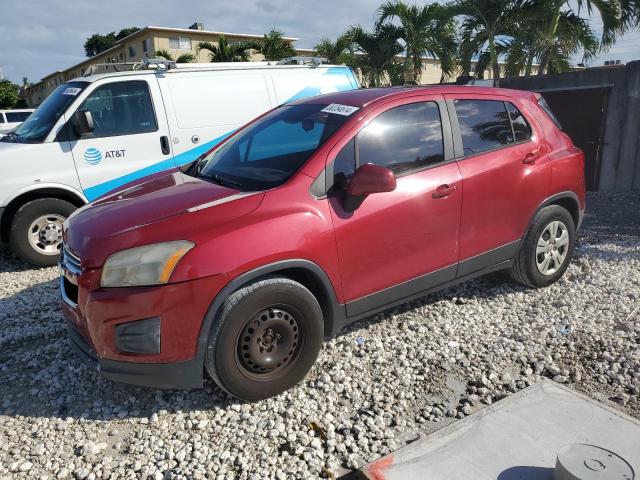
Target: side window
{"x": 521, "y": 129}
{"x": 484, "y": 125}
{"x": 344, "y": 166}
{"x": 121, "y": 108}
{"x": 2, "y": 118}
{"x": 403, "y": 138}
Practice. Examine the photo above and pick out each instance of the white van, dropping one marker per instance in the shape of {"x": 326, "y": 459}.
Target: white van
{"x": 10, "y": 119}
{"x": 96, "y": 133}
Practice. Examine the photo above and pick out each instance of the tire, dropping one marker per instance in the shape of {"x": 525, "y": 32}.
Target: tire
{"x": 538, "y": 247}
{"x": 234, "y": 358}
{"x": 54, "y": 211}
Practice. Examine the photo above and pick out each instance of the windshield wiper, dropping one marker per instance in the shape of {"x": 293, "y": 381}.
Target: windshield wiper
{"x": 220, "y": 180}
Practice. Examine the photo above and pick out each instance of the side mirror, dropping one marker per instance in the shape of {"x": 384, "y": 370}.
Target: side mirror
{"x": 371, "y": 179}
{"x": 83, "y": 122}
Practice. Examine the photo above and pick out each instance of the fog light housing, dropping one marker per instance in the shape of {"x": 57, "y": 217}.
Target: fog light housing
{"x": 140, "y": 336}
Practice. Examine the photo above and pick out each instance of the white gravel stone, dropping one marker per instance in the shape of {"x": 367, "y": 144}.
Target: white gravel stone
{"x": 377, "y": 386}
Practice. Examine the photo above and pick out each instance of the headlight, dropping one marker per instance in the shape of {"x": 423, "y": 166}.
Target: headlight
{"x": 147, "y": 265}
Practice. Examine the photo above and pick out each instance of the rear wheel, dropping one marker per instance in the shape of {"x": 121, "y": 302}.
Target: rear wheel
{"x": 265, "y": 339}
{"x": 547, "y": 249}
{"x": 36, "y": 230}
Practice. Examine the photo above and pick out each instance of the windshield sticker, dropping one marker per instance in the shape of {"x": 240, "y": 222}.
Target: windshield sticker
{"x": 339, "y": 109}
{"x": 71, "y": 91}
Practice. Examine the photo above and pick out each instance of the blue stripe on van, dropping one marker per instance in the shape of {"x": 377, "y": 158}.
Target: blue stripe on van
{"x": 98, "y": 190}
{"x": 341, "y": 78}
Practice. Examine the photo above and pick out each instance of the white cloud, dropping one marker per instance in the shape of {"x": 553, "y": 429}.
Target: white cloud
{"x": 42, "y": 36}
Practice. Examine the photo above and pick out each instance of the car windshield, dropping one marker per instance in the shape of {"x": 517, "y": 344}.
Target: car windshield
{"x": 41, "y": 121}
{"x": 267, "y": 153}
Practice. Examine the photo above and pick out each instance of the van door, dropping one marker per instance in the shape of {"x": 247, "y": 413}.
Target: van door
{"x": 130, "y": 137}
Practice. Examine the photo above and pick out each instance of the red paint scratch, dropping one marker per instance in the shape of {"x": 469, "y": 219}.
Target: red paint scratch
{"x": 377, "y": 470}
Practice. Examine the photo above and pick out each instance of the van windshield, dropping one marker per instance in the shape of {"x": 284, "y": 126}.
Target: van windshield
{"x": 267, "y": 153}
{"x": 41, "y": 121}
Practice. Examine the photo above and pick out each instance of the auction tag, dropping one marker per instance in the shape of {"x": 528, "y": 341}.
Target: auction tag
{"x": 339, "y": 109}
{"x": 71, "y": 91}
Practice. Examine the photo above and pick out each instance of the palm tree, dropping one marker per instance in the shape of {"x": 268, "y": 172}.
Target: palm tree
{"x": 377, "y": 51}
{"x": 226, "y": 51}
{"x": 426, "y": 30}
{"x": 616, "y": 16}
{"x": 184, "y": 58}
{"x": 572, "y": 36}
{"x": 483, "y": 21}
{"x": 338, "y": 52}
{"x": 274, "y": 47}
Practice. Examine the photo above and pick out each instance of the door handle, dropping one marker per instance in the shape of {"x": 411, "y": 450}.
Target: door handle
{"x": 530, "y": 158}
{"x": 164, "y": 145}
{"x": 444, "y": 191}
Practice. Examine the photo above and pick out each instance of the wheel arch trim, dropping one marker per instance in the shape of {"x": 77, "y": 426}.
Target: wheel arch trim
{"x": 552, "y": 200}
{"x": 335, "y": 312}
{"x": 33, "y": 192}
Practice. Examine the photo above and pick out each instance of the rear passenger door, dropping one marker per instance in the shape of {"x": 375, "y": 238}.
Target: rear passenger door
{"x": 505, "y": 173}
{"x": 396, "y": 244}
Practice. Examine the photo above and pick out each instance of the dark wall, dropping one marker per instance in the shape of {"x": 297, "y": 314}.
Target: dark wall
{"x": 620, "y": 157}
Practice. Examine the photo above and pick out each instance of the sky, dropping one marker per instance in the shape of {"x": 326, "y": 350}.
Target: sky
{"x": 41, "y": 36}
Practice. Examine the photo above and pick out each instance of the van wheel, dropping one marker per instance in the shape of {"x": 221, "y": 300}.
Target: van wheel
{"x": 265, "y": 339}
{"x": 547, "y": 249}
{"x": 36, "y": 230}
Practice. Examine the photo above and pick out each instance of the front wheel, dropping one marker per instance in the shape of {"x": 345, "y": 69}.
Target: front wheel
{"x": 36, "y": 230}
{"x": 547, "y": 249}
{"x": 265, "y": 339}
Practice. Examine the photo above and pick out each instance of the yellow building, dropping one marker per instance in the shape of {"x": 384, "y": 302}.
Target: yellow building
{"x": 141, "y": 44}
{"x": 178, "y": 41}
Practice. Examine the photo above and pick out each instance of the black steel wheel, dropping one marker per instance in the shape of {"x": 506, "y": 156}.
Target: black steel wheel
{"x": 265, "y": 339}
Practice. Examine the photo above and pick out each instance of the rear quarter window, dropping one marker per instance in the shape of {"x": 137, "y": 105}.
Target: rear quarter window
{"x": 547, "y": 109}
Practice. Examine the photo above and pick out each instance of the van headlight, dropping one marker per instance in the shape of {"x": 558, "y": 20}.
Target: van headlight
{"x": 143, "y": 266}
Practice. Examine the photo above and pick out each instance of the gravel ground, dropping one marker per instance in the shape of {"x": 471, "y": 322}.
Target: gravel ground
{"x": 374, "y": 388}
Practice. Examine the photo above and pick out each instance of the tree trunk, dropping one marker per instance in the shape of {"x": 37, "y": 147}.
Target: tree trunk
{"x": 494, "y": 62}
{"x": 529, "y": 67}
{"x": 550, "y": 36}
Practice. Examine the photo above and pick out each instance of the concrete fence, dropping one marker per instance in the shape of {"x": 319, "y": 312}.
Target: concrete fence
{"x": 617, "y": 157}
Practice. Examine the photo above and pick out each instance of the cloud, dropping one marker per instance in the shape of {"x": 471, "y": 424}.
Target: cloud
{"x": 42, "y": 36}
{"x": 49, "y": 35}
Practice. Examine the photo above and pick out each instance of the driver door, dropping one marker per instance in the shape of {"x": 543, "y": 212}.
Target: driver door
{"x": 130, "y": 138}
{"x": 399, "y": 243}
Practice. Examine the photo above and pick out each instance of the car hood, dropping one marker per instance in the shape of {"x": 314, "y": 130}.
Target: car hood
{"x": 161, "y": 208}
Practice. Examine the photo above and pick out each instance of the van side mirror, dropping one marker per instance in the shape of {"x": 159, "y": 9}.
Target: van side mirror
{"x": 368, "y": 179}
{"x": 83, "y": 122}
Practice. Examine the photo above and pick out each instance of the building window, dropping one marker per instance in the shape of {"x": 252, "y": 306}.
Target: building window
{"x": 180, "y": 43}
{"x": 145, "y": 45}
{"x": 132, "y": 51}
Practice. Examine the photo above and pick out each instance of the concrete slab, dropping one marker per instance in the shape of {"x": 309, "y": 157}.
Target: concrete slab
{"x": 517, "y": 438}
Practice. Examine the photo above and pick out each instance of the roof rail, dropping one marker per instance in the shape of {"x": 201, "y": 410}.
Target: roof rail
{"x": 302, "y": 60}
{"x": 157, "y": 63}
{"x": 110, "y": 67}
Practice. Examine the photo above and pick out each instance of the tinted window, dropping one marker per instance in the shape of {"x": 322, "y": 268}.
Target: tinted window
{"x": 521, "y": 129}
{"x": 122, "y": 108}
{"x": 403, "y": 138}
{"x": 268, "y": 152}
{"x": 344, "y": 166}
{"x": 545, "y": 106}
{"x": 484, "y": 125}
{"x": 2, "y": 118}
{"x": 14, "y": 117}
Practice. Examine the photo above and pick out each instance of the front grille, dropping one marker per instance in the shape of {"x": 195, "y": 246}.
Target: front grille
{"x": 70, "y": 260}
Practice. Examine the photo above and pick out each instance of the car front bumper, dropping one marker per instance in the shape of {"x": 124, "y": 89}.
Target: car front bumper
{"x": 94, "y": 318}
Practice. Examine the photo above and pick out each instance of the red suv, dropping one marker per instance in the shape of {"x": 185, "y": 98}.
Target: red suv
{"x": 318, "y": 213}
